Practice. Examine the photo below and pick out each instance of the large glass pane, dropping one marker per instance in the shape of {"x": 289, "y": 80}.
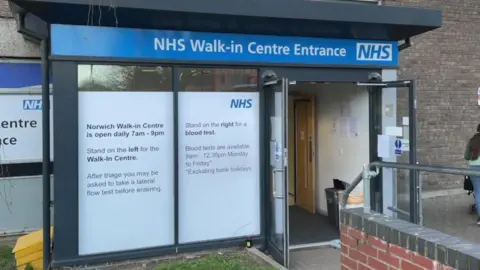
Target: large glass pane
{"x": 393, "y": 124}
{"x": 402, "y": 152}
{"x": 124, "y": 78}
{"x": 278, "y": 192}
{"x": 218, "y": 80}
{"x": 218, "y": 114}
{"x": 125, "y": 158}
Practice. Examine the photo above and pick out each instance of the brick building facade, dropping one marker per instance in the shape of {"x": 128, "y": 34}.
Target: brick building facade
{"x": 446, "y": 65}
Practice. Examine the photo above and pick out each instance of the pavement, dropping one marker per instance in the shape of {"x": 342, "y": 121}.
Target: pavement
{"x": 315, "y": 259}
{"x": 452, "y": 215}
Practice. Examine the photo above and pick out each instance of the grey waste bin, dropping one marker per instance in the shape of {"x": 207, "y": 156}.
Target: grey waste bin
{"x": 332, "y": 206}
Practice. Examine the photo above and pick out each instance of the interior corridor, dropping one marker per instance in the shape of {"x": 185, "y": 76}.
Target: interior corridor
{"x": 328, "y": 139}
{"x": 306, "y": 227}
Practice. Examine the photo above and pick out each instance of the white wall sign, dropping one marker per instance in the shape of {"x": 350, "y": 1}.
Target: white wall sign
{"x": 478, "y": 96}
{"x": 21, "y": 128}
{"x": 383, "y": 146}
{"x": 219, "y": 165}
{"x": 405, "y": 145}
{"x": 394, "y": 131}
{"x": 125, "y": 144}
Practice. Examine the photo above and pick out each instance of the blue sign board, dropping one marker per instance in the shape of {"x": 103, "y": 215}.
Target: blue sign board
{"x": 95, "y": 41}
{"x": 19, "y": 75}
{"x": 398, "y": 147}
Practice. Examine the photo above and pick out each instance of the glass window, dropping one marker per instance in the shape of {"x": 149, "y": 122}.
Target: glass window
{"x": 217, "y": 79}
{"x": 125, "y": 158}
{"x": 124, "y": 78}
{"x": 218, "y": 146}
{"x": 19, "y": 82}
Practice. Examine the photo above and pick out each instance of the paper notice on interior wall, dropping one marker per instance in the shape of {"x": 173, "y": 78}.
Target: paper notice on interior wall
{"x": 353, "y": 126}
{"x": 394, "y": 131}
{"x": 333, "y": 131}
{"x": 345, "y": 110}
{"x": 405, "y": 121}
{"x": 344, "y": 127}
{"x": 383, "y": 146}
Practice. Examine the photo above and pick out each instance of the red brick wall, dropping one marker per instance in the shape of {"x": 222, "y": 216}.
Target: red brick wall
{"x": 363, "y": 252}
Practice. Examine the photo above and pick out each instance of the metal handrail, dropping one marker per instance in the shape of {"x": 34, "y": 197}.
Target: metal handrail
{"x": 400, "y": 211}
{"x": 349, "y": 189}
{"x": 405, "y": 166}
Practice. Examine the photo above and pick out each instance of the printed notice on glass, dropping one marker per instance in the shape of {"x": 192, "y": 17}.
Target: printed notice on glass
{"x": 218, "y": 165}
{"x": 125, "y": 153}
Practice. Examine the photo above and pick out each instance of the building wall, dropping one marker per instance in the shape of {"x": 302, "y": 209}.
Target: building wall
{"x": 446, "y": 64}
{"x": 4, "y": 10}
{"x": 12, "y": 44}
{"x": 370, "y": 241}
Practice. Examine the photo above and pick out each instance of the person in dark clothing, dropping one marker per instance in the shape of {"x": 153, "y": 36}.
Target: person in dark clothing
{"x": 471, "y": 155}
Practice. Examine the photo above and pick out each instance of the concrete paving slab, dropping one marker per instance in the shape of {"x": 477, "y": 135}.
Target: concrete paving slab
{"x": 451, "y": 215}
{"x": 315, "y": 259}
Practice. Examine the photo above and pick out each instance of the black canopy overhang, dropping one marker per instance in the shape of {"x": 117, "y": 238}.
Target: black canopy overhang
{"x": 335, "y": 19}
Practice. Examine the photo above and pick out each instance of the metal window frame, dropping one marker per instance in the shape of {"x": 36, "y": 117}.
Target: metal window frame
{"x": 66, "y": 70}
{"x": 67, "y": 100}
{"x": 375, "y": 89}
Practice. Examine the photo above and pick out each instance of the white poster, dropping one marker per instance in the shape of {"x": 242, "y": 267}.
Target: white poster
{"x": 383, "y": 146}
{"x": 344, "y": 127}
{"x": 126, "y": 196}
{"x": 21, "y": 128}
{"x": 219, "y": 181}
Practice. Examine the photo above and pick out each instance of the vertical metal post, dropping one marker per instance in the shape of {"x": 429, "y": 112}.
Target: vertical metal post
{"x": 286, "y": 239}
{"x": 46, "y": 152}
{"x": 263, "y": 158}
{"x": 375, "y": 119}
{"x": 176, "y": 88}
{"x": 414, "y": 184}
{"x": 366, "y": 188}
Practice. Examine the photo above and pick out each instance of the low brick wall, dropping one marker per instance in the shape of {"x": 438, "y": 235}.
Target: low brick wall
{"x": 376, "y": 242}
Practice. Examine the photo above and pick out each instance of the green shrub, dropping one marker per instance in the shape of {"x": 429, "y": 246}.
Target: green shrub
{"x": 7, "y": 261}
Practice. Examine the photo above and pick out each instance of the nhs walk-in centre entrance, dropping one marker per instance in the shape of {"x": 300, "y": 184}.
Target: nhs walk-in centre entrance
{"x": 183, "y": 125}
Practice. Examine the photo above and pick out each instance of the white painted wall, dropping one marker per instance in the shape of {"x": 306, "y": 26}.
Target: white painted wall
{"x": 338, "y": 156}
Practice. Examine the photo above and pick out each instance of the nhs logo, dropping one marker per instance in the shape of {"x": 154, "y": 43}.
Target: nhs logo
{"x": 32, "y": 104}
{"x": 374, "y": 52}
{"x": 238, "y": 103}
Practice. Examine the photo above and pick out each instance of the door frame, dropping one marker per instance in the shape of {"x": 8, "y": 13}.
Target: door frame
{"x": 271, "y": 85}
{"x": 333, "y": 75}
{"x": 376, "y": 113}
